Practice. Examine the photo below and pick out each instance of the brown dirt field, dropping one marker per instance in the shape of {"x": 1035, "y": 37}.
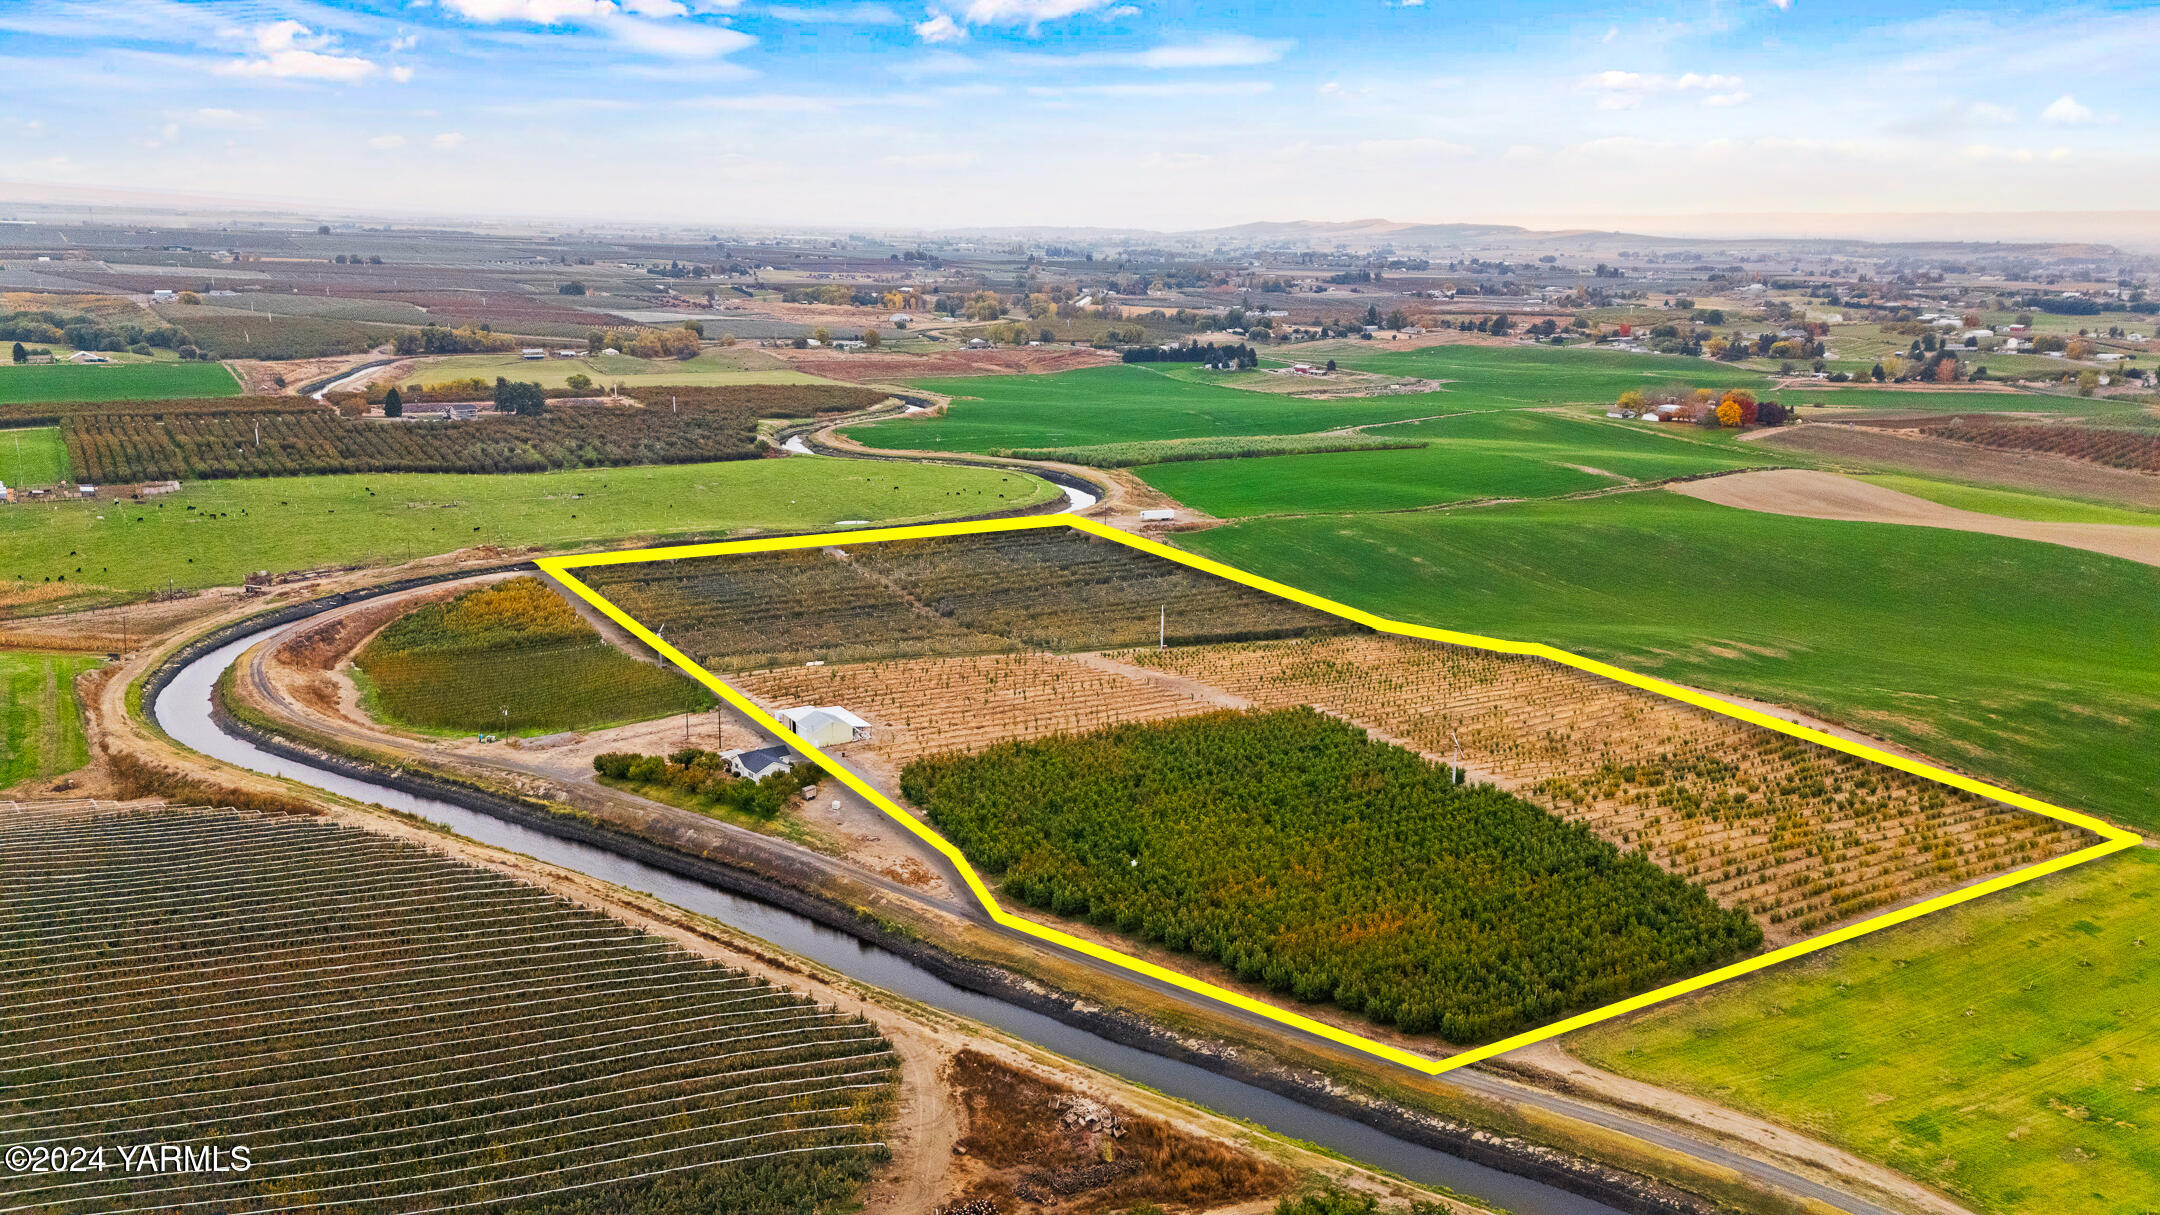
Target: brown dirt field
{"x": 1034, "y": 1144}
{"x": 885, "y": 365}
{"x": 110, "y": 630}
{"x": 1896, "y": 451}
{"x": 1800, "y": 836}
{"x": 1821, "y": 495}
{"x": 259, "y": 377}
{"x": 923, "y": 706}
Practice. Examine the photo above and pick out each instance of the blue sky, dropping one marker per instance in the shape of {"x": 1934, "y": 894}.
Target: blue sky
{"x": 1113, "y": 112}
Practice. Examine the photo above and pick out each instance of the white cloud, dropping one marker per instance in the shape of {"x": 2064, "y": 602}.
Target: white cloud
{"x": 933, "y": 160}
{"x": 1170, "y": 88}
{"x": 288, "y": 50}
{"x": 404, "y": 42}
{"x": 2066, "y": 111}
{"x": 2058, "y": 153}
{"x": 839, "y": 14}
{"x": 1986, "y": 151}
{"x": 678, "y": 40}
{"x": 448, "y": 140}
{"x": 1030, "y": 13}
{"x": 939, "y": 27}
{"x": 1987, "y": 111}
{"x": 1621, "y": 90}
{"x": 402, "y": 75}
{"x": 1219, "y": 50}
{"x": 538, "y": 12}
{"x": 386, "y": 142}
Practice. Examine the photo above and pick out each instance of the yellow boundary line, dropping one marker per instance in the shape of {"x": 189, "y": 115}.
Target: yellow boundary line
{"x": 2113, "y": 839}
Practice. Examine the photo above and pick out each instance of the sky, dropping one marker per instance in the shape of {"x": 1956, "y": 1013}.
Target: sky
{"x": 1113, "y": 113}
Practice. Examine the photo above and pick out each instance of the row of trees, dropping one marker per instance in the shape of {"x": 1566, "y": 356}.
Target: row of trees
{"x": 89, "y": 333}
{"x": 1232, "y": 356}
{"x": 1301, "y": 854}
{"x": 124, "y": 447}
{"x": 704, "y": 775}
{"x": 1736, "y": 408}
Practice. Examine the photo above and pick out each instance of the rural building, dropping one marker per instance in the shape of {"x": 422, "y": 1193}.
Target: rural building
{"x": 87, "y": 491}
{"x": 568, "y": 353}
{"x": 1157, "y": 515}
{"x": 900, "y": 319}
{"x": 6, "y": 494}
{"x": 825, "y": 726}
{"x": 761, "y": 763}
{"x": 151, "y": 489}
{"x": 533, "y": 352}
{"x": 40, "y": 357}
{"x": 88, "y": 356}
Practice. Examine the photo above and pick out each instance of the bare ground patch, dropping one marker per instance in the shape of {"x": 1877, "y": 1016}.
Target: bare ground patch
{"x": 1820, "y": 495}
{"x": 1901, "y": 451}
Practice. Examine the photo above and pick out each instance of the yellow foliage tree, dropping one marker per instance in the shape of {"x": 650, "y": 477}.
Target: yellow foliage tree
{"x": 1728, "y": 414}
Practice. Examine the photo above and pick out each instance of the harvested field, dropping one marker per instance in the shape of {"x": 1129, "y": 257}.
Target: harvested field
{"x": 1820, "y": 495}
{"x": 384, "y": 1028}
{"x": 1033, "y": 1144}
{"x": 1797, "y": 835}
{"x": 1053, "y": 589}
{"x": 1901, "y": 451}
{"x": 923, "y": 706}
{"x": 886, "y": 366}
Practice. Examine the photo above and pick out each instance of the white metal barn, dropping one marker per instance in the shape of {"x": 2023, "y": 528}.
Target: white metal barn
{"x": 823, "y": 726}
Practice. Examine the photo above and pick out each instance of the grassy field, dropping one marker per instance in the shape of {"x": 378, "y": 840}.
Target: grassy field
{"x": 41, "y": 734}
{"x": 1515, "y": 454}
{"x": 32, "y": 456}
{"x": 1511, "y": 377}
{"x": 115, "y": 382}
{"x": 715, "y": 366}
{"x": 1930, "y": 637}
{"x": 287, "y": 523}
{"x": 1119, "y": 405}
{"x": 512, "y": 658}
{"x": 1918, "y": 401}
{"x": 2002, "y": 1050}
{"x": 2011, "y": 504}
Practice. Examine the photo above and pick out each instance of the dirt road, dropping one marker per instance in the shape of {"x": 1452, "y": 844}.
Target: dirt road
{"x": 1821, "y": 495}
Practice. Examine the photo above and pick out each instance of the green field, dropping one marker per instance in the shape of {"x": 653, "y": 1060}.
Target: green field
{"x": 2024, "y": 662}
{"x": 1511, "y": 377}
{"x": 1120, "y": 405}
{"x": 714, "y": 366}
{"x": 114, "y": 382}
{"x": 1896, "y": 400}
{"x": 287, "y": 523}
{"x": 41, "y": 732}
{"x": 1516, "y": 454}
{"x": 512, "y": 658}
{"x": 2011, "y": 504}
{"x": 2003, "y": 1051}
{"x": 32, "y": 456}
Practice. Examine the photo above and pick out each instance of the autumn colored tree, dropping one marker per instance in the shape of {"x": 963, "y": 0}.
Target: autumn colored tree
{"x": 871, "y": 338}
{"x": 1728, "y": 414}
{"x": 1632, "y": 399}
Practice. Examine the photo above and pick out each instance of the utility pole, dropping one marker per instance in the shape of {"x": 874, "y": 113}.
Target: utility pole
{"x": 1162, "y": 629}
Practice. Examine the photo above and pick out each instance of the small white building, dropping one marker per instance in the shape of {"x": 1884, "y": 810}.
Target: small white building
{"x": 825, "y": 725}
{"x": 87, "y": 356}
{"x": 761, "y": 763}
{"x": 533, "y": 352}
{"x": 900, "y": 320}
{"x": 1157, "y": 515}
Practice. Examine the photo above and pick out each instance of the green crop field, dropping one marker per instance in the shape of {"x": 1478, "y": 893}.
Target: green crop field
{"x": 1915, "y": 401}
{"x": 32, "y": 456}
{"x": 1515, "y": 454}
{"x": 513, "y": 658}
{"x": 1511, "y": 377}
{"x": 2002, "y": 1051}
{"x": 115, "y": 381}
{"x": 41, "y": 733}
{"x": 2024, "y": 662}
{"x": 1119, "y": 405}
{"x": 2012, "y": 504}
{"x": 1300, "y": 853}
{"x": 287, "y": 523}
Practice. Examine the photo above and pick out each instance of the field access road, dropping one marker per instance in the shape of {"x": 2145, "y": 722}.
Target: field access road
{"x": 1804, "y": 1168}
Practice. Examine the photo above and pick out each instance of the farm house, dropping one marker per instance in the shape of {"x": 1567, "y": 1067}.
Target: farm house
{"x": 823, "y": 727}
{"x": 761, "y": 763}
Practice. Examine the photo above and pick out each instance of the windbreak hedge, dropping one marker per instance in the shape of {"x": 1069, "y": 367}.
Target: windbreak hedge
{"x": 1303, "y": 855}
